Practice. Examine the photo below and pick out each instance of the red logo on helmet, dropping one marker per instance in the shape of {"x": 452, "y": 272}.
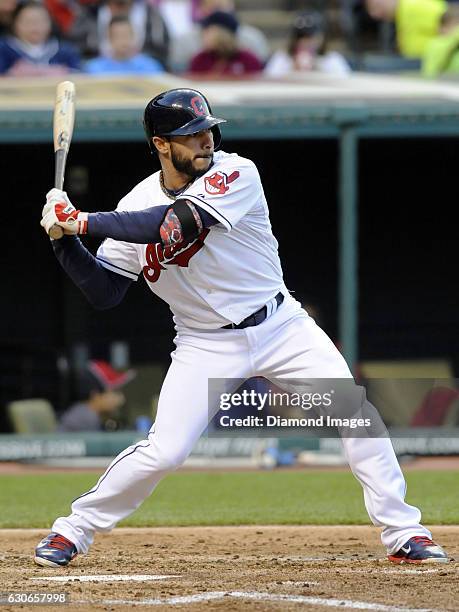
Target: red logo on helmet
{"x": 219, "y": 182}
{"x": 197, "y": 104}
{"x": 157, "y": 256}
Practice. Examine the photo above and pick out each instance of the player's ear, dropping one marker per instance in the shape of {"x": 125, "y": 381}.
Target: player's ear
{"x": 161, "y": 143}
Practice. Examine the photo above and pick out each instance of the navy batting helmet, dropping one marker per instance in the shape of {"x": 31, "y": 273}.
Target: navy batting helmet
{"x": 179, "y": 112}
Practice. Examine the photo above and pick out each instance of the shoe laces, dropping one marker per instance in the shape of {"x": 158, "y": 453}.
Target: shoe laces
{"x": 423, "y": 541}
{"x": 58, "y": 541}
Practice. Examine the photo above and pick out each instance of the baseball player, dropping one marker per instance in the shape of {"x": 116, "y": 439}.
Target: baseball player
{"x": 198, "y": 231}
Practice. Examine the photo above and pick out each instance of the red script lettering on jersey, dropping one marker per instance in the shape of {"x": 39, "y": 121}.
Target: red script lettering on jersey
{"x": 218, "y": 183}
{"x": 179, "y": 255}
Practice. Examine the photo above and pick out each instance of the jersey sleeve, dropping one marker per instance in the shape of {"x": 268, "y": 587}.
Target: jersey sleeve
{"x": 118, "y": 256}
{"x": 227, "y": 192}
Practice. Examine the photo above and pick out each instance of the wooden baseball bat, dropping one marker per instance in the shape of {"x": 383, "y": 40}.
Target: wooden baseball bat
{"x": 63, "y": 120}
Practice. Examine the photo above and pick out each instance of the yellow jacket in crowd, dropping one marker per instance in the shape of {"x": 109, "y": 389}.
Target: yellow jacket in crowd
{"x": 417, "y": 22}
{"x": 442, "y": 55}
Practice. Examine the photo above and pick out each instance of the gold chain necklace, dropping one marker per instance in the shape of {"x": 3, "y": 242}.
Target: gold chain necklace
{"x": 166, "y": 191}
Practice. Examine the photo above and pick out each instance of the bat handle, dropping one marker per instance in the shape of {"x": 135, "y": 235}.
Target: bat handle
{"x": 56, "y": 232}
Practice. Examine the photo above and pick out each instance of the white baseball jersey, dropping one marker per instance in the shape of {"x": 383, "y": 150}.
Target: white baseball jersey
{"x": 230, "y": 271}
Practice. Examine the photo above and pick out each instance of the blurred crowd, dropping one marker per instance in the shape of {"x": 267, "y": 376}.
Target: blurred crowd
{"x": 425, "y": 30}
{"x": 99, "y": 395}
{"x": 207, "y": 37}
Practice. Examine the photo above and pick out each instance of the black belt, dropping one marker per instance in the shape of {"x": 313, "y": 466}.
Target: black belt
{"x": 257, "y": 317}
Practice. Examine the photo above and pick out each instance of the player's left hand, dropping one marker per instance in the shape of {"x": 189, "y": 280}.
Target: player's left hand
{"x": 58, "y": 210}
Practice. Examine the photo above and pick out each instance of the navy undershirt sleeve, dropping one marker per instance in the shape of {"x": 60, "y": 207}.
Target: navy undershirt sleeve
{"x": 102, "y": 288}
{"x": 139, "y": 226}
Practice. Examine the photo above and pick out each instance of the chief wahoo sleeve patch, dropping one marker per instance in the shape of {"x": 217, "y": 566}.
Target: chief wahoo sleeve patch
{"x": 218, "y": 183}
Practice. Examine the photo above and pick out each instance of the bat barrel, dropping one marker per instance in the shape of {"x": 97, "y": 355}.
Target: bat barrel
{"x": 64, "y": 115}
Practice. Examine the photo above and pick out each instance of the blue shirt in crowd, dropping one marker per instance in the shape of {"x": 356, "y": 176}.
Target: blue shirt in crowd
{"x": 139, "y": 64}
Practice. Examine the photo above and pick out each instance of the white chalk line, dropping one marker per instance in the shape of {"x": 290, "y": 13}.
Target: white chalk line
{"x": 400, "y": 570}
{"x": 320, "y": 601}
{"x": 170, "y": 601}
{"x": 415, "y": 571}
{"x": 258, "y": 596}
{"x": 299, "y": 583}
{"x": 337, "y": 559}
{"x": 105, "y": 578}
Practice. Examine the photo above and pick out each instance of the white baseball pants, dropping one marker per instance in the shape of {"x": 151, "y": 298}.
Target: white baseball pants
{"x": 288, "y": 344}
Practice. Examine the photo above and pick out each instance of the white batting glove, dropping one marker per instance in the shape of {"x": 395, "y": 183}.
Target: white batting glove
{"x": 58, "y": 210}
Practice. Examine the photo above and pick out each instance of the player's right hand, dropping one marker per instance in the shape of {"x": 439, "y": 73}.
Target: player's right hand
{"x": 58, "y": 210}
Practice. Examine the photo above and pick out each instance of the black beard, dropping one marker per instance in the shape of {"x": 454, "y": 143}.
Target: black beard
{"x": 185, "y": 166}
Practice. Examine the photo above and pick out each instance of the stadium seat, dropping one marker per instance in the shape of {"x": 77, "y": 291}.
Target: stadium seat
{"x": 142, "y": 394}
{"x": 411, "y": 393}
{"x": 32, "y": 416}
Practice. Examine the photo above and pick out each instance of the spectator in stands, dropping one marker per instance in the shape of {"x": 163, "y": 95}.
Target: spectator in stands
{"x": 62, "y": 12}
{"x": 31, "y": 50}
{"x": 124, "y": 57}
{"x": 416, "y": 21}
{"x": 249, "y": 37}
{"x": 221, "y": 54}
{"x": 188, "y": 44}
{"x": 99, "y": 397}
{"x": 307, "y": 50}
{"x": 91, "y": 31}
{"x": 7, "y": 8}
{"x": 442, "y": 52}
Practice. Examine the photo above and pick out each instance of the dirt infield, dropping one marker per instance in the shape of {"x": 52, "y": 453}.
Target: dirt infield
{"x": 235, "y": 568}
